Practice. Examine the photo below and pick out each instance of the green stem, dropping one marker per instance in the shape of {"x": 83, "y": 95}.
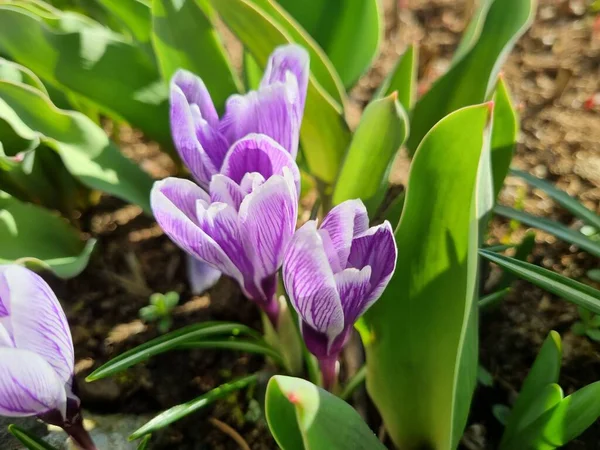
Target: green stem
{"x": 354, "y": 382}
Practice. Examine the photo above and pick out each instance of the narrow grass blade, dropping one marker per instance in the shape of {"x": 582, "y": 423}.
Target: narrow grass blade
{"x": 28, "y": 440}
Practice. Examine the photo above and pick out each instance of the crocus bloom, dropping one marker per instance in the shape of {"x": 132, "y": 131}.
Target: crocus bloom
{"x": 275, "y": 109}
{"x": 243, "y": 225}
{"x": 333, "y": 274}
{"x": 36, "y": 354}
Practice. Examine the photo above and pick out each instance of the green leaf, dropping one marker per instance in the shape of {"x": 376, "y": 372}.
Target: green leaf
{"x": 593, "y": 334}
{"x": 579, "y": 329}
{"x": 552, "y": 227}
{"x": 364, "y": 174}
{"x": 180, "y": 411}
{"x": 354, "y": 383}
{"x": 324, "y": 134}
{"x": 534, "y": 398}
{"x": 566, "y": 288}
{"x": 242, "y": 345}
{"x": 561, "y": 197}
{"x": 134, "y": 14}
{"x": 55, "y": 246}
{"x": 28, "y": 440}
{"x": 504, "y": 135}
{"x": 492, "y": 299}
{"x": 302, "y": 416}
{"x": 74, "y": 52}
{"x": 561, "y": 424}
{"x": 432, "y": 291}
{"x": 144, "y": 442}
{"x": 339, "y": 26}
{"x": 11, "y": 71}
{"x": 471, "y": 78}
{"x": 252, "y": 72}
{"x": 84, "y": 148}
{"x": 170, "y": 341}
{"x": 184, "y": 37}
{"x": 403, "y": 78}
{"x": 523, "y": 250}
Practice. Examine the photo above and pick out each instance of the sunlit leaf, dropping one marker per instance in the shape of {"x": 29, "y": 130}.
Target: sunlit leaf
{"x": 134, "y": 14}
{"x": 403, "y": 78}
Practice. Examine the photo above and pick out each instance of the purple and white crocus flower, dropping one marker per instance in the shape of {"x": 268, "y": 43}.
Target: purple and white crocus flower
{"x": 333, "y": 274}
{"x": 36, "y": 354}
{"x": 202, "y": 139}
{"x": 244, "y": 223}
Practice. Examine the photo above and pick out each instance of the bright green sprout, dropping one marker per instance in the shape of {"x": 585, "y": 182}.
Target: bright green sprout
{"x": 588, "y": 325}
{"x": 160, "y": 310}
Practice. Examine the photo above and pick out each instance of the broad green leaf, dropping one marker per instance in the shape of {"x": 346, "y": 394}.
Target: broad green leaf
{"x": 339, "y": 26}
{"x": 422, "y": 328}
{"x": 302, "y": 416}
{"x": 11, "y": 71}
{"x": 394, "y": 210}
{"x": 180, "y": 411}
{"x": 472, "y": 77}
{"x": 320, "y": 65}
{"x": 184, "y": 37}
{"x": 175, "y": 339}
{"x": 28, "y": 440}
{"x": 566, "y": 288}
{"x": 84, "y": 148}
{"x": 504, "y": 135}
{"x": 364, "y": 174}
{"x": 550, "y": 226}
{"x": 324, "y": 134}
{"x": 561, "y": 197}
{"x": 134, "y": 14}
{"x": 561, "y": 424}
{"x": 403, "y": 78}
{"x": 252, "y": 72}
{"x": 543, "y": 373}
{"x": 76, "y": 53}
{"x": 55, "y": 245}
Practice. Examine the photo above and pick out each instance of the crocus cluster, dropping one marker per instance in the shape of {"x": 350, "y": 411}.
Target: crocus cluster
{"x": 239, "y": 216}
{"x": 36, "y": 354}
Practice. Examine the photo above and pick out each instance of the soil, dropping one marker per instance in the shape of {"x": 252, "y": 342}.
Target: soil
{"x": 553, "y": 72}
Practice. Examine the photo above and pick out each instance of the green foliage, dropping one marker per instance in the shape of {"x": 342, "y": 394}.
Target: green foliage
{"x": 403, "y": 78}
{"x": 588, "y": 325}
{"x": 135, "y": 15}
{"x": 470, "y": 80}
{"x": 184, "y": 37}
{"x": 302, "y": 416}
{"x": 180, "y": 411}
{"x": 419, "y": 326}
{"x": 381, "y": 132}
{"x": 160, "y": 309}
{"x": 28, "y": 440}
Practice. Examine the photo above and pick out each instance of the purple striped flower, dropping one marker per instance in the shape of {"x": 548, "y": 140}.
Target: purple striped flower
{"x": 333, "y": 274}
{"x": 244, "y": 224}
{"x": 36, "y": 354}
{"x": 275, "y": 109}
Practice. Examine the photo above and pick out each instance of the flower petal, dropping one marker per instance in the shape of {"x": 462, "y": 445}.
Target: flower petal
{"x": 261, "y": 154}
{"x": 268, "y": 111}
{"x": 289, "y": 58}
{"x": 376, "y": 248}
{"x": 194, "y": 90}
{"x": 36, "y": 321}
{"x": 175, "y": 204}
{"x": 28, "y": 384}
{"x": 186, "y": 121}
{"x": 201, "y": 276}
{"x": 224, "y": 190}
{"x": 310, "y": 283}
{"x": 339, "y": 227}
{"x": 267, "y": 222}
{"x": 354, "y": 288}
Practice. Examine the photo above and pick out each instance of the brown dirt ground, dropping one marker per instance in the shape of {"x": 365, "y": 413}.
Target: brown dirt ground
{"x": 559, "y": 141}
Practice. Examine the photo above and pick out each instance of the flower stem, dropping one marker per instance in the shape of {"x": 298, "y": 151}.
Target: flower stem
{"x": 329, "y": 371}
{"x": 271, "y": 309}
{"x": 80, "y": 436}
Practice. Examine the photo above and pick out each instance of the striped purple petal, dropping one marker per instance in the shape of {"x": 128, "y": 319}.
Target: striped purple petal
{"x": 311, "y": 285}
{"x": 201, "y": 276}
{"x": 177, "y": 205}
{"x": 261, "y": 154}
{"x": 267, "y": 111}
{"x": 194, "y": 125}
{"x": 35, "y": 320}
{"x": 29, "y": 385}
{"x": 375, "y": 248}
{"x": 339, "y": 227}
{"x": 267, "y": 221}
{"x": 224, "y": 190}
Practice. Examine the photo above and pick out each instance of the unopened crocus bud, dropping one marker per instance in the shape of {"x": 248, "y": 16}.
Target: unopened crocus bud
{"x": 243, "y": 225}
{"x": 333, "y": 274}
{"x": 36, "y": 354}
{"x": 275, "y": 109}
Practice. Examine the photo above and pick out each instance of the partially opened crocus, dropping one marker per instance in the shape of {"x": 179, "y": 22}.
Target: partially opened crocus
{"x": 333, "y": 274}
{"x": 244, "y": 224}
{"x": 36, "y": 354}
{"x": 275, "y": 109}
